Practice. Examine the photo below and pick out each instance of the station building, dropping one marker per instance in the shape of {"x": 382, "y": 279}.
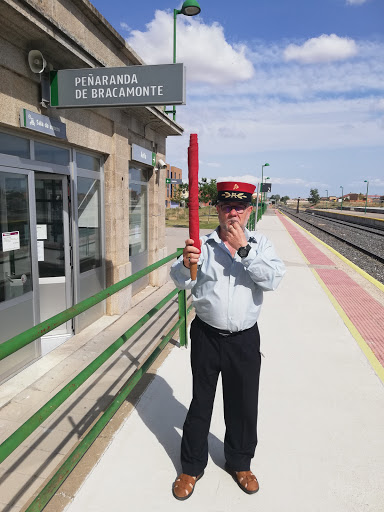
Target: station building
{"x": 81, "y": 201}
{"x": 171, "y": 199}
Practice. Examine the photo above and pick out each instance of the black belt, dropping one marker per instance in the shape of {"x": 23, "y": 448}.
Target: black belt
{"x": 220, "y": 332}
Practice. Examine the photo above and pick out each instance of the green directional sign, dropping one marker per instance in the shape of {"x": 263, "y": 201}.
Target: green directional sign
{"x": 173, "y": 181}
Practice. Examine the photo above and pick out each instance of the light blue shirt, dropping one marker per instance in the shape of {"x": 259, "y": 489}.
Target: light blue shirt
{"x": 228, "y": 292}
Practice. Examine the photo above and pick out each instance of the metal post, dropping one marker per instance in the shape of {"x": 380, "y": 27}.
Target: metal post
{"x": 175, "y": 13}
{"x": 257, "y": 203}
{"x": 366, "y": 198}
{"x": 182, "y": 297}
{"x": 298, "y": 205}
{"x": 262, "y": 174}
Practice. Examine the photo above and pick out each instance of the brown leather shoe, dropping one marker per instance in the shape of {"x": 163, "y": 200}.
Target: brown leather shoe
{"x": 246, "y": 480}
{"x": 184, "y": 485}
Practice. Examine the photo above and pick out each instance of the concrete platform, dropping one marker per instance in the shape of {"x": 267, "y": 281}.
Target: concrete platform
{"x": 321, "y": 442}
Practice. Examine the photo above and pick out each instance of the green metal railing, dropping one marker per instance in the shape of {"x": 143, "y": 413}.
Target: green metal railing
{"x": 251, "y": 225}
{"x": 23, "y": 339}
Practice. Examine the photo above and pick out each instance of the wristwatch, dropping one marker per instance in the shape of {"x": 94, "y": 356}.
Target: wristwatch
{"x": 244, "y": 251}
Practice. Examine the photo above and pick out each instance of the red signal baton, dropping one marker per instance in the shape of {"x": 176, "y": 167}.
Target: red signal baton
{"x": 193, "y": 178}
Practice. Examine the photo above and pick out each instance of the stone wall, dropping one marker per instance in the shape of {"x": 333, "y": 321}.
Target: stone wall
{"x": 72, "y": 34}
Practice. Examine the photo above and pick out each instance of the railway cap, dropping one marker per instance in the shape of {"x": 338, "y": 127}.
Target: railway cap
{"x": 228, "y": 191}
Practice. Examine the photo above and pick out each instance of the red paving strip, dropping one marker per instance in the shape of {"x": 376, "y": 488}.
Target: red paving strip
{"x": 366, "y": 314}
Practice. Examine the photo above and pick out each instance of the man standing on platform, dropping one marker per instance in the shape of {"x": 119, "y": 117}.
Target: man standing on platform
{"x": 235, "y": 266}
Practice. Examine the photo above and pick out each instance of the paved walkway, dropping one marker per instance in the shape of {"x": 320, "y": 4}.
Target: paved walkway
{"x": 321, "y": 438}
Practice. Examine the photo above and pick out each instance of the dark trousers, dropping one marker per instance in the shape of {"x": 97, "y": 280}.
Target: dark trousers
{"x": 237, "y": 357}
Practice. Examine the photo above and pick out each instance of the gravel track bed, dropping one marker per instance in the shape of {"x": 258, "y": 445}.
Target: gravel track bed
{"x": 373, "y": 267}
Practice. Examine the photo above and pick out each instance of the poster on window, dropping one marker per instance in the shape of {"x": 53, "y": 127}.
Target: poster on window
{"x": 10, "y": 241}
{"x": 40, "y": 250}
{"x": 41, "y": 231}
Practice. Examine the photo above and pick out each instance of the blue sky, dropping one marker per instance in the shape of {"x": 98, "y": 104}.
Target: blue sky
{"x": 295, "y": 83}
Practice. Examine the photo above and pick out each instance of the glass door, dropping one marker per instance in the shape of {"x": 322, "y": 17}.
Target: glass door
{"x": 16, "y": 282}
{"x": 138, "y": 225}
{"x": 53, "y": 254}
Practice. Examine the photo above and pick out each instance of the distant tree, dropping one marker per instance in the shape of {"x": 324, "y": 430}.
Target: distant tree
{"x": 275, "y": 197}
{"x": 284, "y": 199}
{"x": 178, "y": 196}
{"x": 208, "y": 191}
{"x": 179, "y": 192}
{"x": 314, "y": 196}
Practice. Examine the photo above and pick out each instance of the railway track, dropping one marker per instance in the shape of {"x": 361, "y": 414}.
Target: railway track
{"x": 363, "y": 246}
{"x": 376, "y": 231}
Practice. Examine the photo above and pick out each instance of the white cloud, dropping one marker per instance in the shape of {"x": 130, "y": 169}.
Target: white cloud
{"x": 202, "y": 48}
{"x": 250, "y": 178}
{"x": 125, "y": 26}
{"x": 377, "y": 182}
{"x": 244, "y": 178}
{"x": 325, "y": 48}
{"x": 276, "y": 77}
{"x": 276, "y": 125}
{"x": 356, "y": 2}
{"x": 215, "y": 165}
{"x": 287, "y": 108}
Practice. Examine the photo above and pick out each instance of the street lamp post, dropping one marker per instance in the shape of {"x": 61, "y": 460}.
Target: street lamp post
{"x": 326, "y": 202}
{"x": 262, "y": 174}
{"x": 342, "y": 197}
{"x": 189, "y": 8}
{"x": 266, "y": 193}
{"x": 366, "y": 197}
{"x": 262, "y": 171}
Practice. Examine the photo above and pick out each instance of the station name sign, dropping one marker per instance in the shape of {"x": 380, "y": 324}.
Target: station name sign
{"x": 162, "y": 84}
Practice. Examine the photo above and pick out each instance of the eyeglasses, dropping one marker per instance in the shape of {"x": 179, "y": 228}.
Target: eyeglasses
{"x": 240, "y": 208}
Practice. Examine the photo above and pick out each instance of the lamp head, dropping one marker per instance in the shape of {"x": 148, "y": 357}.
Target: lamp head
{"x": 190, "y": 8}
{"x": 365, "y": 181}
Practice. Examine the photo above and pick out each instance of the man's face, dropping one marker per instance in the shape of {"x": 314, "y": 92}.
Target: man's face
{"x": 233, "y": 212}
